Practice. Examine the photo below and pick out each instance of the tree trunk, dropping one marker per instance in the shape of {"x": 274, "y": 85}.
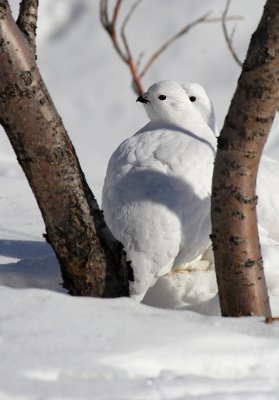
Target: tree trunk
{"x": 92, "y": 262}
{"x": 238, "y": 260}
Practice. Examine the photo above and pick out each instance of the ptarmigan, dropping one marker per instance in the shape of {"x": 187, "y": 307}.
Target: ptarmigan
{"x": 156, "y": 194}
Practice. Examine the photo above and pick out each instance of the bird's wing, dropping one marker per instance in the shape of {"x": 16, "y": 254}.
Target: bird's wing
{"x": 136, "y": 199}
{"x": 153, "y": 187}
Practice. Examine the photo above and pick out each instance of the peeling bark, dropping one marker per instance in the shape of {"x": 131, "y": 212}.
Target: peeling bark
{"x": 238, "y": 260}
{"x": 92, "y": 262}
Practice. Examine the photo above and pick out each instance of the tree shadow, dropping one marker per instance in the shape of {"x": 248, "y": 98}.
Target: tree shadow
{"x": 37, "y": 266}
{"x": 24, "y": 249}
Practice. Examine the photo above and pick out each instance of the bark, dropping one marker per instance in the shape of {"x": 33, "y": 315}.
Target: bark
{"x": 239, "y": 264}
{"x": 92, "y": 262}
{"x": 27, "y": 20}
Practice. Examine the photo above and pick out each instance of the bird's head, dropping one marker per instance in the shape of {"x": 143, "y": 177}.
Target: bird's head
{"x": 165, "y": 101}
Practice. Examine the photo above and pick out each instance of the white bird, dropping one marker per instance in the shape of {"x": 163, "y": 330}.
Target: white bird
{"x": 156, "y": 194}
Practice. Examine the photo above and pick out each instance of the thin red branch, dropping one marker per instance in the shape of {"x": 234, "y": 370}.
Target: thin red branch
{"x": 133, "y": 69}
{"x": 130, "y": 61}
{"x": 110, "y": 26}
{"x": 137, "y": 86}
{"x": 116, "y": 12}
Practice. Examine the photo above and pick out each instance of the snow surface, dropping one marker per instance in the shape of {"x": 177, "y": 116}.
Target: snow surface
{"x": 53, "y": 346}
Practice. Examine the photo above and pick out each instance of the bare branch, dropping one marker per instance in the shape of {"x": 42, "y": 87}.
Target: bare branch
{"x": 104, "y": 13}
{"x": 229, "y": 38}
{"x": 27, "y": 20}
{"x": 180, "y": 33}
{"x": 109, "y": 26}
{"x": 139, "y": 60}
{"x": 126, "y": 54}
{"x": 203, "y": 19}
{"x": 129, "y": 15}
{"x": 133, "y": 69}
{"x": 130, "y": 61}
{"x": 116, "y": 12}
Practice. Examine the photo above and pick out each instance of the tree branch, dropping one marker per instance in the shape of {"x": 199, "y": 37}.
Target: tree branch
{"x": 116, "y": 12}
{"x": 180, "y": 33}
{"x": 92, "y": 262}
{"x": 110, "y": 27}
{"x": 27, "y": 20}
{"x": 238, "y": 260}
{"x": 203, "y": 19}
{"x": 229, "y": 38}
{"x": 130, "y": 61}
{"x": 126, "y": 54}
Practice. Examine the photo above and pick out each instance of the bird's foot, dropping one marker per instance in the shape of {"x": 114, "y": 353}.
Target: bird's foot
{"x": 197, "y": 265}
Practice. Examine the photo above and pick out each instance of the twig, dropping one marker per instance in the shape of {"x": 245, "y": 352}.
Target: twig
{"x": 182, "y": 32}
{"x": 116, "y": 12}
{"x": 125, "y": 22}
{"x": 109, "y": 26}
{"x": 139, "y": 60}
{"x": 130, "y": 61}
{"x": 27, "y": 20}
{"x": 229, "y": 39}
{"x": 104, "y": 13}
{"x": 124, "y": 50}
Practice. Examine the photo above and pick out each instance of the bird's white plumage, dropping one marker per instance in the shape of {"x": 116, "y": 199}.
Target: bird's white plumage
{"x": 156, "y": 195}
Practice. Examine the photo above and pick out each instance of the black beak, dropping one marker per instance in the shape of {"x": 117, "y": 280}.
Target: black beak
{"x": 142, "y": 99}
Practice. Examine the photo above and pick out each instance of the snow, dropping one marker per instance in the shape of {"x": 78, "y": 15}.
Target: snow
{"x": 53, "y": 346}
{"x": 76, "y": 348}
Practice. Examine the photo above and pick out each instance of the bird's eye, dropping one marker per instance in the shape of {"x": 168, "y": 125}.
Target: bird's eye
{"x": 162, "y": 97}
{"x": 192, "y": 98}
